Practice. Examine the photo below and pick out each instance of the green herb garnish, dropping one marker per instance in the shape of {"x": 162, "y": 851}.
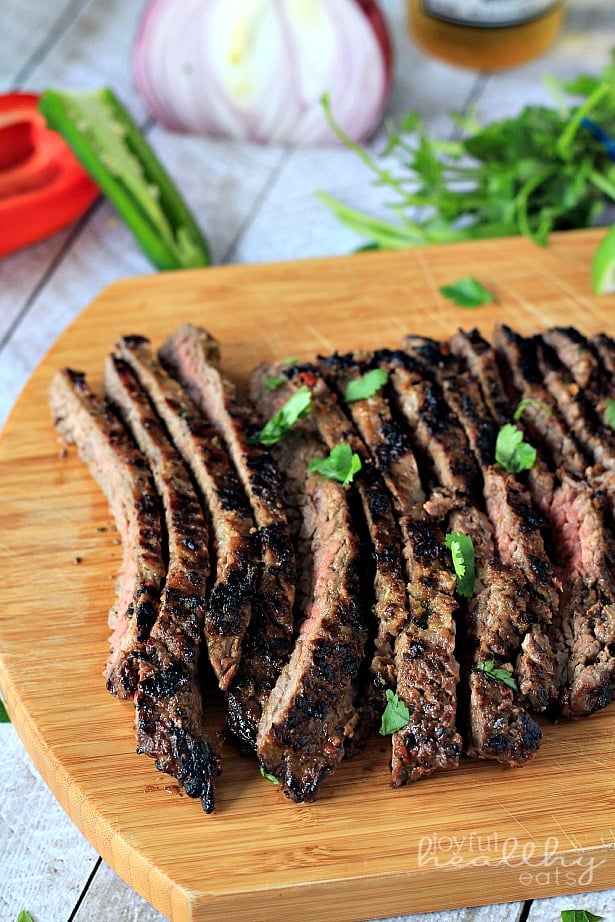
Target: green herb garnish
{"x": 512, "y": 452}
{"x": 462, "y": 552}
{"x": 366, "y": 386}
{"x": 580, "y": 915}
{"x": 495, "y": 672}
{"x": 539, "y": 171}
{"x": 4, "y": 717}
{"x": 24, "y": 916}
{"x": 609, "y": 412}
{"x": 267, "y": 776}
{"x": 296, "y": 407}
{"x": 341, "y": 465}
{"x": 273, "y": 383}
{"x": 396, "y": 714}
{"x": 467, "y": 292}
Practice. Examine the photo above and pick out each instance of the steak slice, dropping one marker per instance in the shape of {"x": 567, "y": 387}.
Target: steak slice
{"x": 190, "y": 355}
{"x": 311, "y": 712}
{"x": 583, "y": 630}
{"x": 388, "y": 607}
{"x": 230, "y": 520}
{"x": 498, "y": 726}
{"x": 121, "y": 471}
{"x": 168, "y": 699}
{"x": 424, "y": 662}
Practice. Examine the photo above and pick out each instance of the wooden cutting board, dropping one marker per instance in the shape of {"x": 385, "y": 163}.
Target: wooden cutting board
{"x": 478, "y": 835}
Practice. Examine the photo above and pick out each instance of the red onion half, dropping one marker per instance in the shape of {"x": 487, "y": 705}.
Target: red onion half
{"x": 257, "y": 69}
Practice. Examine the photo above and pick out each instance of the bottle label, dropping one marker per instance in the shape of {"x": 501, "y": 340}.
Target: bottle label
{"x": 487, "y": 14}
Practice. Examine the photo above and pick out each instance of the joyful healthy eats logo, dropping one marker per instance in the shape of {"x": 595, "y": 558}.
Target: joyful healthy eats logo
{"x": 538, "y": 864}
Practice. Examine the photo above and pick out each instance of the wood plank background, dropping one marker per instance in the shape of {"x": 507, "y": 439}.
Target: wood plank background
{"x": 362, "y": 850}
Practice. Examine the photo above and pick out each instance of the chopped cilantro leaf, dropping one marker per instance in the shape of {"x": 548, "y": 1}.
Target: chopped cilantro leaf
{"x": 580, "y": 915}
{"x": 366, "y": 386}
{"x": 24, "y": 916}
{"x": 278, "y": 427}
{"x": 267, "y": 776}
{"x": 4, "y": 717}
{"x": 467, "y": 292}
{"x": 396, "y": 714}
{"x": 341, "y": 465}
{"x": 512, "y": 452}
{"x": 273, "y": 383}
{"x": 462, "y": 552}
{"x": 502, "y": 675}
{"x": 609, "y": 412}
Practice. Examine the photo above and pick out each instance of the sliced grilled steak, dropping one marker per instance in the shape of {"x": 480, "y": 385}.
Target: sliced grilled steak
{"x": 546, "y": 428}
{"x": 230, "y": 519}
{"x": 605, "y": 350}
{"x": 386, "y": 440}
{"x": 168, "y": 700}
{"x": 437, "y": 433}
{"x": 479, "y": 359}
{"x": 582, "y": 359}
{"x": 311, "y": 714}
{"x": 584, "y": 629}
{"x": 191, "y": 355}
{"x": 498, "y": 726}
{"x": 577, "y": 409}
{"x": 517, "y": 523}
{"x": 383, "y": 568}
{"x": 120, "y": 469}
{"x": 426, "y": 669}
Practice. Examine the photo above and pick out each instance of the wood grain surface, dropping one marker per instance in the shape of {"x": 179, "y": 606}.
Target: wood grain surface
{"x": 362, "y": 850}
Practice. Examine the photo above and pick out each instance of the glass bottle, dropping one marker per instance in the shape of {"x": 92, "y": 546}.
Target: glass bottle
{"x": 485, "y": 34}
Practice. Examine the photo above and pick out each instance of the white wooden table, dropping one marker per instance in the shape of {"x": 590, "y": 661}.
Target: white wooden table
{"x": 255, "y": 204}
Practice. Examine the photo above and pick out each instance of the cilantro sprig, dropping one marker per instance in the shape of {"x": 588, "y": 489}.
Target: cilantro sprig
{"x": 296, "y": 407}
{"x": 512, "y": 452}
{"x": 395, "y": 715}
{"x": 366, "y": 386}
{"x": 467, "y": 292}
{"x": 462, "y": 553}
{"x": 340, "y": 465}
{"x": 539, "y": 171}
{"x": 495, "y": 672}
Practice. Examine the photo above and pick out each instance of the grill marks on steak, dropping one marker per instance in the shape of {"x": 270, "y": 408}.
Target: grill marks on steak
{"x": 493, "y": 619}
{"x": 190, "y": 355}
{"x": 424, "y": 662}
{"x": 311, "y": 712}
{"x": 230, "y": 520}
{"x": 517, "y": 521}
{"x": 583, "y": 629}
{"x": 387, "y": 591}
{"x": 120, "y": 469}
{"x": 168, "y": 699}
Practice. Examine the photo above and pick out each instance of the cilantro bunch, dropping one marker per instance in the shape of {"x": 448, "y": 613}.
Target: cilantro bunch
{"x": 545, "y": 169}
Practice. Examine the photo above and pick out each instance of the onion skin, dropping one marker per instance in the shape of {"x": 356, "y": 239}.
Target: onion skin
{"x": 256, "y": 70}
